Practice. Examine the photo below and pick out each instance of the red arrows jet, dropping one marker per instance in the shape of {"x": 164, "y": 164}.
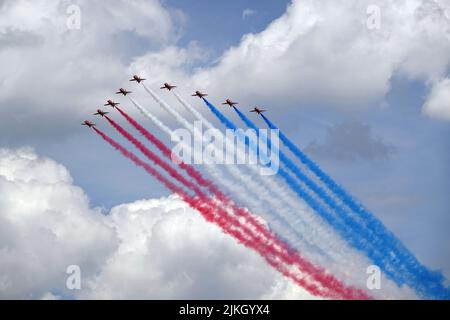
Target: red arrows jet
{"x": 137, "y": 79}
{"x": 111, "y": 103}
{"x": 88, "y": 123}
{"x": 168, "y": 86}
{"x": 123, "y": 91}
{"x": 199, "y": 94}
{"x": 230, "y": 103}
{"x": 258, "y": 110}
{"x": 100, "y": 113}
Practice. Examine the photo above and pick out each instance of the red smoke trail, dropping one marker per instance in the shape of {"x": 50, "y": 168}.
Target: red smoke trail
{"x": 173, "y": 173}
{"x": 153, "y": 157}
{"x": 289, "y": 255}
{"x": 197, "y": 176}
{"x": 168, "y": 153}
{"x": 208, "y": 214}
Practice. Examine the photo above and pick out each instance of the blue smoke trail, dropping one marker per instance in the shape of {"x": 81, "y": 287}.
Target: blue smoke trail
{"x": 319, "y": 192}
{"x": 331, "y": 219}
{"x": 325, "y": 214}
{"x": 431, "y": 283}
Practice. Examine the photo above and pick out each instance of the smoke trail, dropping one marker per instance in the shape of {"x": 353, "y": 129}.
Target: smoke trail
{"x": 194, "y": 112}
{"x": 173, "y": 173}
{"x": 153, "y": 157}
{"x": 192, "y": 172}
{"x": 186, "y": 124}
{"x": 219, "y": 115}
{"x": 158, "y": 161}
{"x": 280, "y": 208}
{"x": 151, "y": 117}
{"x": 236, "y": 189}
{"x": 430, "y": 284}
{"x": 346, "y": 219}
{"x": 211, "y": 169}
{"x": 253, "y": 223}
{"x": 236, "y": 173}
{"x": 293, "y": 185}
{"x": 210, "y": 216}
{"x": 249, "y": 181}
{"x": 341, "y": 252}
{"x": 168, "y": 154}
{"x": 378, "y": 250}
{"x": 346, "y": 231}
{"x": 166, "y": 107}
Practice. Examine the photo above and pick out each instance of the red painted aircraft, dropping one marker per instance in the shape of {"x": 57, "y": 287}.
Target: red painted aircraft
{"x": 100, "y": 113}
{"x": 199, "y": 94}
{"x": 258, "y": 110}
{"x": 168, "y": 86}
{"x": 88, "y": 123}
{"x": 137, "y": 79}
{"x": 123, "y": 91}
{"x": 111, "y": 103}
{"x": 230, "y": 103}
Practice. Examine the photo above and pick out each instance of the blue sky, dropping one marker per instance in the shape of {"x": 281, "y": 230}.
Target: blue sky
{"x": 375, "y": 136}
{"x": 226, "y": 20}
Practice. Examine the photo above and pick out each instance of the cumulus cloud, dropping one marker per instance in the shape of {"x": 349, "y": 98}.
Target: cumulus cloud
{"x": 315, "y": 53}
{"x": 325, "y": 53}
{"x": 158, "y": 248}
{"x": 46, "y": 225}
{"x": 437, "y": 104}
{"x": 48, "y": 70}
{"x": 351, "y": 141}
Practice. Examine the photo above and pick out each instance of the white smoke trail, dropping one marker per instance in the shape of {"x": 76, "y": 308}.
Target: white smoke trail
{"x": 237, "y": 189}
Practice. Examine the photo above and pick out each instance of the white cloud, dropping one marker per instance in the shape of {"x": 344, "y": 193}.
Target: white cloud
{"x": 322, "y": 52}
{"x": 437, "y": 104}
{"x": 47, "y": 70}
{"x": 168, "y": 251}
{"x": 148, "y": 249}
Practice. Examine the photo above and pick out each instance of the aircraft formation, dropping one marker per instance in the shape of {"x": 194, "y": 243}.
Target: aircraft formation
{"x": 165, "y": 86}
{"x": 344, "y": 217}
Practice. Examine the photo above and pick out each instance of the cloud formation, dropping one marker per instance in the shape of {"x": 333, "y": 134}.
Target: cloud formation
{"x": 247, "y": 13}
{"x": 322, "y": 52}
{"x": 150, "y": 249}
{"x": 437, "y": 104}
{"x": 46, "y": 225}
{"x": 48, "y": 69}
